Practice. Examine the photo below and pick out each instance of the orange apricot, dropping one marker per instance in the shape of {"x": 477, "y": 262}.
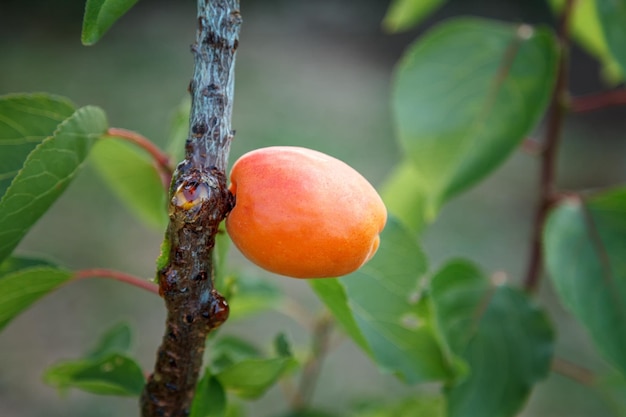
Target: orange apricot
{"x": 302, "y": 213}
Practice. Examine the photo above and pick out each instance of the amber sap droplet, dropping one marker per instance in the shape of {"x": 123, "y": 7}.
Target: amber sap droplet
{"x": 190, "y": 194}
{"x": 218, "y": 310}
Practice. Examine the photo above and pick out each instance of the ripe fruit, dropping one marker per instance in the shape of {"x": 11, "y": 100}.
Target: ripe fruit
{"x": 302, "y": 213}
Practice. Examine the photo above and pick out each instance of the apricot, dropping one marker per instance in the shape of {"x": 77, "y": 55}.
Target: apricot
{"x": 302, "y": 213}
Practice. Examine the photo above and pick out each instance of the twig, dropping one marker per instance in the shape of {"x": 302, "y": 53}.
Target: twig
{"x": 556, "y": 114}
{"x": 311, "y": 370}
{"x": 598, "y": 101}
{"x": 199, "y": 201}
{"x": 573, "y": 371}
{"x": 118, "y": 276}
{"x": 161, "y": 159}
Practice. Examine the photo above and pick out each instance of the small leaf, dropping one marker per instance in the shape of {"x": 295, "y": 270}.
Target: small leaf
{"x": 383, "y": 301}
{"x": 585, "y": 243}
{"x": 612, "y": 15}
{"x": 116, "y": 340}
{"x": 308, "y": 413}
{"x": 179, "y": 130}
{"x": 282, "y": 345}
{"x": 113, "y": 374}
{"x": 457, "y": 123}
{"x": 132, "y": 176}
{"x": 419, "y": 405}
{"x": 15, "y": 263}
{"x": 20, "y": 289}
{"x": 403, "y": 197}
{"x": 25, "y": 121}
{"x": 250, "y": 378}
{"x": 100, "y": 16}
{"x": 46, "y": 173}
{"x": 504, "y": 338}
{"x": 252, "y": 295}
{"x": 228, "y": 350}
{"x": 405, "y": 14}
{"x": 209, "y": 399}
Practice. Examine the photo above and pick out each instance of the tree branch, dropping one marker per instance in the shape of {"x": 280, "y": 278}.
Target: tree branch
{"x": 199, "y": 201}
{"x": 598, "y": 101}
{"x": 556, "y": 115}
{"x": 573, "y": 371}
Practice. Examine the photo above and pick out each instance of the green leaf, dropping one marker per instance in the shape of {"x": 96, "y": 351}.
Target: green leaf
{"x": 209, "y": 399}
{"x": 587, "y": 32}
{"x": 405, "y": 14}
{"x": 100, "y": 16}
{"x": 250, "y": 378}
{"x": 419, "y": 405}
{"x": 46, "y": 173}
{"x": 383, "y": 310}
{"x": 251, "y": 295}
{"x": 403, "y": 197}
{"x": 282, "y": 346}
{"x": 113, "y": 374}
{"x": 504, "y": 338}
{"x": 228, "y": 350}
{"x": 15, "y": 263}
{"x": 464, "y": 97}
{"x": 25, "y": 121}
{"x": 585, "y": 243}
{"x": 19, "y": 289}
{"x": 116, "y": 340}
{"x": 612, "y": 15}
{"x": 132, "y": 176}
{"x": 179, "y": 130}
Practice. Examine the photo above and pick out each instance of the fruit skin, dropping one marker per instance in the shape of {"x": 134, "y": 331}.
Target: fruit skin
{"x": 302, "y": 213}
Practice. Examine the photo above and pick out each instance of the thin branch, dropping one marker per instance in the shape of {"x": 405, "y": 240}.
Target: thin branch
{"x": 138, "y": 282}
{"x": 556, "y": 115}
{"x": 199, "y": 201}
{"x": 160, "y": 158}
{"x": 598, "y": 101}
{"x": 573, "y": 371}
{"x": 311, "y": 370}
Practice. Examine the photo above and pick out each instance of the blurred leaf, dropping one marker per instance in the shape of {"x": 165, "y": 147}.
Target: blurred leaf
{"x": 250, "y": 378}
{"x": 228, "y": 350}
{"x": 282, "y": 345}
{"x": 403, "y": 197}
{"x": 113, "y": 374}
{"x": 46, "y": 173}
{"x": 132, "y": 176}
{"x": 209, "y": 399}
{"x": 15, "y": 263}
{"x": 19, "y": 289}
{"x": 383, "y": 301}
{"x": 220, "y": 254}
{"x": 307, "y": 413}
{"x": 179, "y": 130}
{"x": 612, "y": 15}
{"x": 457, "y": 123}
{"x": 405, "y": 14}
{"x": 585, "y": 249}
{"x": 505, "y": 339}
{"x": 252, "y": 295}
{"x": 587, "y": 32}
{"x": 25, "y": 121}
{"x": 612, "y": 388}
{"x": 116, "y": 340}
{"x": 100, "y": 16}
{"x": 419, "y": 405}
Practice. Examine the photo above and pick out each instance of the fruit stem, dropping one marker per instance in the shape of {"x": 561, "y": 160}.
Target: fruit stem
{"x": 556, "y": 116}
{"x": 118, "y": 276}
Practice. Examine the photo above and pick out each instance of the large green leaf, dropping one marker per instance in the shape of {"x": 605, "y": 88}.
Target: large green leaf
{"x": 20, "y": 289}
{"x": 403, "y": 196}
{"x": 46, "y": 173}
{"x": 26, "y": 120}
{"x": 113, "y": 374}
{"x": 250, "y": 378}
{"x": 15, "y": 263}
{"x": 382, "y": 307}
{"x": 465, "y": 95}
{"x": 404, "y": 14}
{"x": 612, "y": 15}
{"x": 116, "y": 340}
{"x": 131, "y": 174}
{"x": 209, "y": 399}
{"x": 587, "y": 32}
{"x": 100, "y": 16}
{"x": 585, "y": 249}
{"x": 504, "y": 338}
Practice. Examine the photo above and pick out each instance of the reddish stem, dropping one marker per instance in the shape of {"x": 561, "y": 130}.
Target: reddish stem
{"x": 118, "y": 276}
{"x": 556, "y": 115}
{"x": 161, "y": 159}
{"x": 598, "y": 101}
